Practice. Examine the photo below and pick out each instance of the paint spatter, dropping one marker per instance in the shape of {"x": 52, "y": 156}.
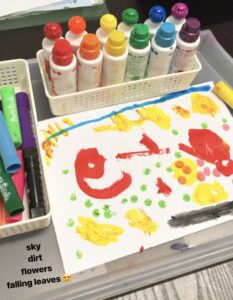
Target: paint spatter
{"x": 185, "y": 171}
{"x": 106, "y": 207}
{"x": 226, "y": 127}
{"x": 206, "y": 171}
{"x": 180, "y": 246}
{"x": 90, "y": 164}
{"x": 224, "y": 120}
{"x": 155, "y": 115}
{"x": 175, "y": 132}
{"x": 204, "y": 125}
{"x": 134, "y": 198}
{"x": 208, "y": 146}
{"x": 79, "y": 254}
{"x": 148, "y": 202}
{"x": 108, "y": 214}
{"x": 216, "y": 173}
{"x": 186, "y": 197}
{"x": 124, "y": 201}
{"x": 73, "y": 197}
{"x": 209, "y": 193}
{"x": 143, "y": 187}
{"x": 162, "y": 204}
{"x": 201, "y": 176}
{"x": 178, "y": 154}
{"x": 169, "y": 169}
{"x": 200, "y": 162}
{"x": 88, "y": 203}
{"x": 97, "y": 233}
{"x": 140, "y": 220}
{"x": 184, "y": 113}
{"x": 158, "y": 164}
{"x": 146, "y": 171}
{"x": 70, "y": 222}
{"x": 141, "y": 250}
{"x": 163, "y": 188}
{"x": 65, "y": 171}
{"x": 96, "y": 213}
{"x": 203, "y": 105}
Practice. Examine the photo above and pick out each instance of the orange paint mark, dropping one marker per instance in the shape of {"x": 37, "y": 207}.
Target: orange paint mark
{"x": 179, "y": 164}
{"x": 187, "y": 170}
{"x": 181, "y": 180}
{"x": 184, "y": 113}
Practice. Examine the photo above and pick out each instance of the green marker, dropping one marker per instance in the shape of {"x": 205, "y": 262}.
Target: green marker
{"x": 10, "y": 112}
{"x": 8, "y": 194}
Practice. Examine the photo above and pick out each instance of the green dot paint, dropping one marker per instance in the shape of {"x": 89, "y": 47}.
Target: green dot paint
{"x": 79, "y": 254}
{"x": 70, "y": 222}
{"x": 106, "y": 207}
{"x": 148, "y": 202}
{"x": 158, "y": 165}
{"x": 224, "y": 120}
{"x": 169, "y": 169}
{"x": 88, "y": 203}
{"x": 147, "y": 171}
{"x": 65, "y": 172}
{"x": 204, "y": 125}
{"x": 143, "y": 187}
{"x": 134, "y": 199}
{"x": 124, "y": 200}
{"x": 186, "y": 197}
{"x": 96, "y": 213}
{"x": 162, "y": 204}
{"x": 73, "y": 197}
{"x": 175, "y": 132}
{"x": 178, "y": 155}
{"x": 108, "y": 214}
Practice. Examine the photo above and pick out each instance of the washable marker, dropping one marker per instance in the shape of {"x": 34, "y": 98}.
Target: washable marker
{"x": 1, "y": 214}
{"x": 178, "y": 15}
{"x": 10, "y": 113}
{"x": 108, "y": 23}
{"x": 8, "y": 193}
{"x": 31, "y": 159}
{"x": 18, "y": 180}
{"x": 157, "y": 15}
{"x": 138, "y": 52}
{"x": 163, "y": 46}
{"x": 129, "y": 17}
{"x": 7, "y": 149}
{"x": 77, "y": 30}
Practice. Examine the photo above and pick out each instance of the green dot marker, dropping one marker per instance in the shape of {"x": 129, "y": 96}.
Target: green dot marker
{"x": 158, "y": 165}
{"x": 186, "y": 197}
{"x": 70, "y": 222}
{"x": 65, "y": 172}
{"x": 134, "y": 199}
{"x": 162, "y": 204}
{"x": 175, "y": 132}
{"x": 96, "y": 213}
{"x": 147, "y": 171}
{"x": 143, "y": 187}
{"x": 148, "y": 202}
{"x": 169, "y": 169}
{"x": 204, "y": 125}
{"x": 79, "y": 254}
{"x": 88, "y": 203}
{"x": 73, "y": 197}
{"x": 178, "y": 155}
{"x": 124, "y": 200}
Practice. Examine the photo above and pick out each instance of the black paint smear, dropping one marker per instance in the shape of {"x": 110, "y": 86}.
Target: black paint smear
{"x": 201, "y": 215}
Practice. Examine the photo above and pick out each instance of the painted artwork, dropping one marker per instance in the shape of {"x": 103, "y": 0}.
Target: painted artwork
{"x": 133, "y": 176}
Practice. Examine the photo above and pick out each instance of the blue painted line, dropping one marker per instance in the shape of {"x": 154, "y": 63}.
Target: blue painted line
{"x": 204, "y": 88}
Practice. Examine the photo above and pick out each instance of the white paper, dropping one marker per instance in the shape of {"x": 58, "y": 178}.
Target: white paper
{"x": 69, "y": 200}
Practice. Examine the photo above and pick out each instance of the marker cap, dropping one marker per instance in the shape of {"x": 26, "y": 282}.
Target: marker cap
{"x": 108, "y": 22}
{"x": 179, "y": 10}
{"x": 190, "y": 30}
{"x": 116, "y": 43}
{"x": 166, "y": 35}
{"x": 130, "y": 16}
{"x": 7, "y": 149}
{"x": 157, "y": 14}
{"x": 77, "y": 24}
{"x": 23, "y": 105}
{"x": 53, "y": 31}
{"x": 90, "y": 47}
{"x": 139, "y": 37}
{"x": 62, "y": 53}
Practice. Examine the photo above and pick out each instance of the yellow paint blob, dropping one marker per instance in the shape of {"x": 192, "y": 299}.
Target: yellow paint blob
{"x": 155, "y": 115}
{"x": 209, "y": 193}
{"x": 99, "y": 234}
{"x": 204, "y": 105}
{"x": 184, "y": 113}
{"x": 185, "y": 171}
{"x": 139, "y": 219}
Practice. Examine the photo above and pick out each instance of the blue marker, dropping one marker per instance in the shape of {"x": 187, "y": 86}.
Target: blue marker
{"x": 8, "y": 152}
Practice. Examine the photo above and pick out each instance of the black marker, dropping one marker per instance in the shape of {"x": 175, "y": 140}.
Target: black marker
{"x": 31, "y": 159}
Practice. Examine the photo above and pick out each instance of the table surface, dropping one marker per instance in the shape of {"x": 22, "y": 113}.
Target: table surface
{"x": 211, "y": 283}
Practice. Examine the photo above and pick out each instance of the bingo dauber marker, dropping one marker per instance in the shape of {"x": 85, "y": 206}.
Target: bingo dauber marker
{"x": 31, "y": 159}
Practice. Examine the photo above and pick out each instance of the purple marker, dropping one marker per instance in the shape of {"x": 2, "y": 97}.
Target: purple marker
{"x": 31, "y": 160}
{"x": 178, "y": 15}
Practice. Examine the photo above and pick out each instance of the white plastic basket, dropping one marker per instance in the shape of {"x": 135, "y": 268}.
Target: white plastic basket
{"x": 118, "y": 93}
{"x": 16, "y": 73}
